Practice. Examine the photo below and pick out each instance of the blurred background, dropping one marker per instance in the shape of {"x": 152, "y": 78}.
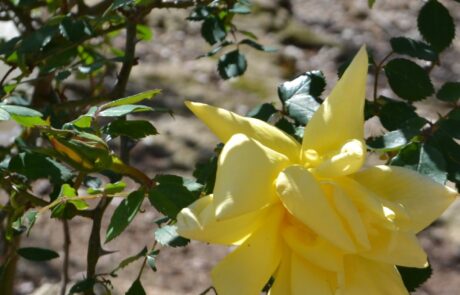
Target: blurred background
{"x": 309, "y": 35}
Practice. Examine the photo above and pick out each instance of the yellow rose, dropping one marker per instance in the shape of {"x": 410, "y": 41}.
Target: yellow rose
{"x": 310, "y": 214}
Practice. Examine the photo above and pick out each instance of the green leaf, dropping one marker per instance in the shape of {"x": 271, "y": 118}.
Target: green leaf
{"x": 310, "y": 83}
{"x": 213, "y": 30}
{"x": 394, "y": 114}
{"x": 122, "y": 110}
{"x": 408, "y": 80}
{"x": 36, "y": 41}
{"x": 20, "y": 111}
{"x": 262, "y": 112}
{"x": 127, "y": 261}
{"x": 124, "y": 214}
{"x": 423, "y": 158}
{"x": 257, "y": 46}
{"x": 172, "y": 194}
{"x": 75, "y": 30}
{"x": 152, "y": 259}
{"x": 239, "y": 8}
{"x": 133, "y": 129}
{"x": 120, "y": 4}
{"x": 298, "y": 95}
{"x": 167, "y": 236}
{"x": 133, "y": 99}
{"x": 82, "y": 286}
{"x": 414, "y": 277}
{"x": 114, "y": 188}
{"x": 144, "y": 33}
{"x": 136, "y": 289}
{"x": 436, "y": 25}
{"x": 391, "y": 141}
{"x": 450, "y": 91}
{"x": 205, "y": 173}
{"x": 232, "y": 64}
{"x": 371, "y": 3}
{"x": 413, "y": 48}
{"x": 83, "y": 121}
{"x": 4, "y": 115}
{"x": 216, "y": 49}
{"x": 37, "y": 254}
{"x": 36, "y": 166}
{"x": 61, "y": 76}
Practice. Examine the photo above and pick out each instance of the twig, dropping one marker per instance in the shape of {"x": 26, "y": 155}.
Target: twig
{"x": 145, "y": 261}
{"x": 7, "y": 74}
{"x": 65, "y": 264}
{"x": 378, "y": 68}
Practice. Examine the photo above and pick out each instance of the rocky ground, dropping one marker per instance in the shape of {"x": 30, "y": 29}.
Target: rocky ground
{"x": 318, "y": 35}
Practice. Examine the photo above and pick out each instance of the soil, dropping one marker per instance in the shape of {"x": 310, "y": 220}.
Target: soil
{"x": 317, "y": 35}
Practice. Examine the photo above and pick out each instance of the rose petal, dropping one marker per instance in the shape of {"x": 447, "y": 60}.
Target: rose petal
{"x": 364, "y": 277}
{"x": 245, "y": 176}
{"x": 225, "y": 124}
{"x": 198, "y": 222}
{"x": 247, "y": 269}
{"x": 308, "y": 279}
{"x": 341, "y": 116}
{"x": 422, "y": 198}
{"x": 303, "y": 197}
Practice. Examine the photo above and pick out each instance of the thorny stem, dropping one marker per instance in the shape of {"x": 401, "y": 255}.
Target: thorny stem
{"x": 67, "y": 240}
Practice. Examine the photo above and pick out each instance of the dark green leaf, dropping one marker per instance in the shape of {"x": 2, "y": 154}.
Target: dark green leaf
{"x": 75, "y": 30}
{"x": 133, "y": 129}
{"x": 408, "y": 80}
{"x": 450, "y": 91}
{"x": 125, "y": 262}
{"x": 286, "y": 126}
{"x": 36, "y": 41}
{"x": 262, "y": 112}
{"x": 167, "y": 236}
{"x": 213, "y": 30}
{"x": 200, "y": 13}
{"x": 232, "y": 64}
{"x": 394, "y": 113}
{"x": 35, "y": 166}
{"x": 122, "y": 110}
{"x": 172, "y": 194}
{"x": 205, "y": 173}
{"x": 37, "y": 254}
{"x": 414, "y": 48}
{"x": 8, "y": 47}
{"x": 133, "y": 99}
{"x": 450, "y": 127}
{"x": 423, "y": 158}
{"x": 414, "y": 277}
{"x": 136, "y": 289}
{"x": 436, "y": 25}
{"x": 84, "y": 285}
{"x": 124, "y": 214}
{"x": 61, "y": 76}
{"x": 257, "y": 46}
